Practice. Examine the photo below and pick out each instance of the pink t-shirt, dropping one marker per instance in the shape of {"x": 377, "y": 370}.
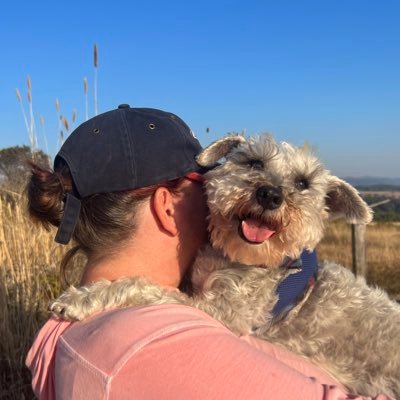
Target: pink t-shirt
{"x": 168, "y": 351}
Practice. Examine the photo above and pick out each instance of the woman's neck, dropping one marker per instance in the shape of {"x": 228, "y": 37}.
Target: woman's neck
{"x": 160, "y": 267}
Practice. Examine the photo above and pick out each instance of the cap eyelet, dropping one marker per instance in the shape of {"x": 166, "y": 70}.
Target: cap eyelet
{"x": 96, "y": 130}
{"x": 152, "y": 126}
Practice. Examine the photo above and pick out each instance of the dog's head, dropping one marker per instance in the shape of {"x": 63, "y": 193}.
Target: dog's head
{"x": 269, "y": 200}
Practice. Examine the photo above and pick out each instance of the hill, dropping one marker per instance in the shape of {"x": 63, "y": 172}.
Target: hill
{"x": 371, "y": 181}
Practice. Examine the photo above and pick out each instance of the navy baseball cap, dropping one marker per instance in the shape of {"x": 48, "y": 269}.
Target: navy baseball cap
{"x": 124, "y": 149}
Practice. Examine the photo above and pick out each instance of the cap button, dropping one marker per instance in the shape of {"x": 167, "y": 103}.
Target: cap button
{"x": 124, "y": 106}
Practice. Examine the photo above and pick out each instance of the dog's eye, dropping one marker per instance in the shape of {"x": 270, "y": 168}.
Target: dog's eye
{"x": 256, "y": 164}
{"x": 301, "y": 184}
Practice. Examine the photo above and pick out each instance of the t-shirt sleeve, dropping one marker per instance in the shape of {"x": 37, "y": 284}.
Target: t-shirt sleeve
{"x": 208, "y": 362}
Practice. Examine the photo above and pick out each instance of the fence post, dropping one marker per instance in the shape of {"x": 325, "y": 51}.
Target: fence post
{"x": 358, "y": 249}
{"x": 358, "y": 244}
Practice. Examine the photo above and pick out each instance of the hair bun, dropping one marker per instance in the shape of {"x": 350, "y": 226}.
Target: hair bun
{"x": 45, "y": 190}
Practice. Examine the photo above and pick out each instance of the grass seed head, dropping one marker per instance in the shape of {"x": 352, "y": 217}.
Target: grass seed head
{"x": 95, "y": 56}
{"x": 65, "y": 121}
{"x": 18, "y": 95}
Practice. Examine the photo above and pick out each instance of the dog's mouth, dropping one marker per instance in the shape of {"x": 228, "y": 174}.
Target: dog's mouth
{"x": 257, "y": 230}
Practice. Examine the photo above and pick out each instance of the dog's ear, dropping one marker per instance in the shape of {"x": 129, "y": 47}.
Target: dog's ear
{"x": 343, "y": 200}
{"x": 218, "y": 149}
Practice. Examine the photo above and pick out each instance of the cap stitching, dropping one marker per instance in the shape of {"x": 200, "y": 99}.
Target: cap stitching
{"x": 130, "y": 145}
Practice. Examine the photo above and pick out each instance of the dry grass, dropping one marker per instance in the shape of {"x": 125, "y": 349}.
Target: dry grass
{"x": 29, "y": 261}
{"x": 383, "y": 240}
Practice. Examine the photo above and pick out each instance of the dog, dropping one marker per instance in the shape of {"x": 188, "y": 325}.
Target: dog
{"x": 268, "y": 202}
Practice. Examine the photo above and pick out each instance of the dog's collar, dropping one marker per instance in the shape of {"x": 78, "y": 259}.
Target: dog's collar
{"x": 293, "y": 288}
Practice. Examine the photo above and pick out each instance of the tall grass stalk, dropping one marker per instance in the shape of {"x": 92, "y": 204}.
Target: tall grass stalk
{"x": 66, "y": 124}
{"x": 19, "y": 98}
{"x": 95, "y": 61}
{"x": 85, "y": 91}
{"x": 32, "y": 126}
{"x": 60, "y": 135}
{"x": 61, "y": 121}
{"x": 73, "y": 119}
{"x": 46, "y": 146}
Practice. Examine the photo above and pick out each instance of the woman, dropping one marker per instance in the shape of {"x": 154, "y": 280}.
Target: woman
{"x": 127, "y": 189}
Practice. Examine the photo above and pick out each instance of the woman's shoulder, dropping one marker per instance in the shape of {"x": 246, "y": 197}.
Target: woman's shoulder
{"x": 141, "y": 321}
{"x": 130, "y": 329}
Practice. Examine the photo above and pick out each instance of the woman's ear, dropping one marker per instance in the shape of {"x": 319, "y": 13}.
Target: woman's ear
{"x": 164, "y": 210}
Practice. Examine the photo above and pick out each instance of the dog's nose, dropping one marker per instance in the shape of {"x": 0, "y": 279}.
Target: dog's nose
{"x": 269, "y": 197}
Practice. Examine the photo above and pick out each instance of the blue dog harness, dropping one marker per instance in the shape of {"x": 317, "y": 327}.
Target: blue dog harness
{"x": 293, "y": 288}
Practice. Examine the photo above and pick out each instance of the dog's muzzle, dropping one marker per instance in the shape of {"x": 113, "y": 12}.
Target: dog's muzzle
{"x": 269, "y": 197}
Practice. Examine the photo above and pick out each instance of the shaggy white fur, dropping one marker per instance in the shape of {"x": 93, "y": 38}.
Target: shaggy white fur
{"x": 342, "y": 325}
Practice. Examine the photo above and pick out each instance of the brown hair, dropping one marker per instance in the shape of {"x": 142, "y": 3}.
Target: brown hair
{"x": 106, "y": 219}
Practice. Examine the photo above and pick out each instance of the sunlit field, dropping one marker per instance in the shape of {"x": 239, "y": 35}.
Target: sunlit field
{"x": 29, "y": 261}
{"x": 383, "y": 257}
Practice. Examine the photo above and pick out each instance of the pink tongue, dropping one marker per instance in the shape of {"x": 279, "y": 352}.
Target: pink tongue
{"x": 255, "y": 231}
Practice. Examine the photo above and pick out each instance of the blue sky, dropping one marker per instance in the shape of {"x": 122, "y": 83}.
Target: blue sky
{"x": 327, "y": 72}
